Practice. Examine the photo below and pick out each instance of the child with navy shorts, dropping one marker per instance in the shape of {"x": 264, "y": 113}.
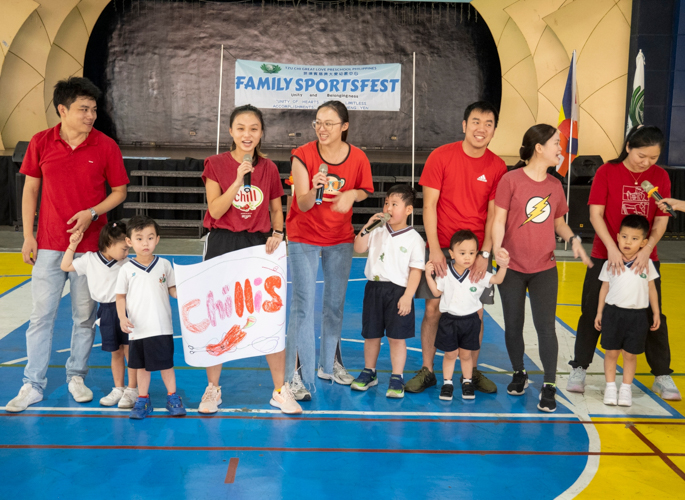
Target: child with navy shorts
{"x": 101, "y": 269}
{"x": 143, "y": 288}
{"x": 393, "y": 268}
{"x": 622, "y": 314}
{"x": 459, "y": 325}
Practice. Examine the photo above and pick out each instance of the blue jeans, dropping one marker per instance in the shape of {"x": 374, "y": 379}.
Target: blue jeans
{"x": 47, "y": 284}
{"x": 304, "y": 262}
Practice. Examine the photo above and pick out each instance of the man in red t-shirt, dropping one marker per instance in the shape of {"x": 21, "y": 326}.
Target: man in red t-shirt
{"x": 459, "y": 183}
{"x": 73, "y": 161}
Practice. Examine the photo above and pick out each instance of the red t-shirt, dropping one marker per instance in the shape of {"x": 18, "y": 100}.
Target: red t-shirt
{"x": 614, "y": 188}
{"x": 529, "y": 232}
{"x": 466, "y": 186}
{"x": 250, "y": 211}
{"x": 72, "y": 180}
{"x": 320, "y": 225}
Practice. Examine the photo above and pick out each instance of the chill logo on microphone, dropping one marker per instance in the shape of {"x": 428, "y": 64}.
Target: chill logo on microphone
{"x": 248, "y": 201}
{"x": 537, "y": 210}
{"x": 334, "y": 185}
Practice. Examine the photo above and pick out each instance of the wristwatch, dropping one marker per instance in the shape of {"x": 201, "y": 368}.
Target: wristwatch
{"x": 485, "y": 254}
{"x": 93, "y": 214}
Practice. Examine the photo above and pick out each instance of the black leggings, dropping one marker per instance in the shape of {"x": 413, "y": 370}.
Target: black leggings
{"x": 657, "y": 350}
{"x": 542, "y": 288}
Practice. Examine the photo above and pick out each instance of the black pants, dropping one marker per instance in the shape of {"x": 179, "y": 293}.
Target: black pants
{"x": 657, "y": 350}
{"x": 542, "y": 288}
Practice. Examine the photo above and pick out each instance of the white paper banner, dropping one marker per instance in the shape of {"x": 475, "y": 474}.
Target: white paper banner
{"x": 288, "y": 86}
{"x": 233, "y": 306}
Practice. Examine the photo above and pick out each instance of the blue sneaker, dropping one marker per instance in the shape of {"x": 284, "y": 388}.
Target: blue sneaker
{"x": 175, "y": 406}
{"x": 367, "y": 378}
{"x": 141, "y": 409}
{"x": 396, "y": 387}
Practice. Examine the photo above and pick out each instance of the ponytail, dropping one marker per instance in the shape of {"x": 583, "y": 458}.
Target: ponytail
{"x": 537, "y": 134}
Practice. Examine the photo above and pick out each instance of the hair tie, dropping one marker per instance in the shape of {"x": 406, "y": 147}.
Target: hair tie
{"x": 114, "y": 225}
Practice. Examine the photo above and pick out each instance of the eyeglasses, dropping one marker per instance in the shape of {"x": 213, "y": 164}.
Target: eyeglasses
{"x": 326, "y": 125}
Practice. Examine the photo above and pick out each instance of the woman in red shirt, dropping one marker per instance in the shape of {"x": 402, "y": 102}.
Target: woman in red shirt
{"x": 529, "y": 212}
{"x": 322, "y": 227}
{"x": 239, "y": 219}
{"x": 617, "y": 192}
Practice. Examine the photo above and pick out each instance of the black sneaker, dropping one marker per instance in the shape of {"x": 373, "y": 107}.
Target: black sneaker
{"x": 518, "y": 384}
{"x": 548, "y": 401}
{"x": 446, "y": 392}
{"x": 468, "y": 390}
{"x": 423, "y": 379}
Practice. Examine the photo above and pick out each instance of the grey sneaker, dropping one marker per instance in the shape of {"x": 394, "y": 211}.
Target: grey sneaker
{"x": 27, "y": 396}
{"x": 666, "y": 388}
{"x": 340, "y": 374}
{"x": 576, "y": 381}
{"x": 299, "y": 390}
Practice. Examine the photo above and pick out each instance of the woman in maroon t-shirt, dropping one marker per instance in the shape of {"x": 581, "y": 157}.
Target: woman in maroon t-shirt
{"x": 529, "y": 212}
{"x": 616, "y": 192}
{"x": 237, "y": 219}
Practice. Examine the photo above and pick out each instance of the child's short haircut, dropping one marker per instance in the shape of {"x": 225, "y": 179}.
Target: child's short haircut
{"x": 461, "y": 236}
{"x": 635, "y": 221}
{"x": 404, "y": 191}
{"x": 140, "y": 222}
{"x": 112, "y": 233}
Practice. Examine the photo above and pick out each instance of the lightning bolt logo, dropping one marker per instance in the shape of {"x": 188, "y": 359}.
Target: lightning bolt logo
{"x": 537, "y": 209}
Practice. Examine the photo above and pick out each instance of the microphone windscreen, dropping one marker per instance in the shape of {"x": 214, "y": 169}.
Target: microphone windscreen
{"x": 247, "y": 158}
{"x": 323, "y": 168}
{"x": 647, "y": 186}
{"x": 386, "y": 217}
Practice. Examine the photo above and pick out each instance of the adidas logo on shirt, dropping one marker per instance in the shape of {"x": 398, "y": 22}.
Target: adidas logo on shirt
{"x": 482, "y": 178}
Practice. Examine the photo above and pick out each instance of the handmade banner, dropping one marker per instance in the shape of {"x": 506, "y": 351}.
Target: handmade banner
{"x": 233, "y": 306}
{"x": 288, "y": 86}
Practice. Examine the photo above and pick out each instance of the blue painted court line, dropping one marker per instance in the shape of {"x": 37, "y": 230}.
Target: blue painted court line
{"x": 14, "y": 288}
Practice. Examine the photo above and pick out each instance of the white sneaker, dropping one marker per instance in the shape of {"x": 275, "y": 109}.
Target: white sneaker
{"x": 576, "y": 381}
{"x": 113, "y": 397}
{"x": 299, "y": 390}
{"x": 129, "y": 398}
{"x": 340, "y": 374}
{"x": 27, "y": 396}
{"x": 611, "y": 394}
{"x": 666, "y": 388}
{"x": 285, "y": 400}
{"x": 79, "y": 390}
{"x": 625, "y": 395}
{"x": 211, "y": 399}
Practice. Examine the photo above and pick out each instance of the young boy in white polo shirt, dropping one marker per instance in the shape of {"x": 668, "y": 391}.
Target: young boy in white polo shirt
{"x": 143, "y": 289}
{"x": 622, "y": 314}
{"x": 393, "y": 268}
{"x": 459, "y": 326}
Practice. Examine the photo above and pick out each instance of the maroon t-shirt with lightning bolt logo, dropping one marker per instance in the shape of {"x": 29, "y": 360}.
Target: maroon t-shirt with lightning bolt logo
{"x": 532, "y": 207}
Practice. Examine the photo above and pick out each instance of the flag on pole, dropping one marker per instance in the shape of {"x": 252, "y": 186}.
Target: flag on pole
{"x": 568, "y": 121}
{"x": 636, "y": 112}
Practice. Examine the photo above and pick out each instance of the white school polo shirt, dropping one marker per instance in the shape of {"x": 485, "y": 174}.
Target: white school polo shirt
{"x": 147, "y": 297}
{"x": 459, "y": 296}
{"x": 629, "y": 290}
{"x": 101, "y": 275}
{"x": 392, "y": 253}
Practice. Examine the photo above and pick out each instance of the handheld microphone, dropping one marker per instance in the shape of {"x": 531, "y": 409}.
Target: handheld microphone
{"x": 377, "y": 223}
{"x": 247, "y": 178}
{"x": 323, "y": 169}
{"x": 654, "y": 193}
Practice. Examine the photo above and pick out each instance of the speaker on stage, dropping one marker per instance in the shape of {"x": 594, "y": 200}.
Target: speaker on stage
{"x": 20, "y": 152}
{"x": 584, "y": 168}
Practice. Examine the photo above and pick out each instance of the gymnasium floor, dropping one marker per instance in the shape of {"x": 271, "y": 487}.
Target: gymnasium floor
{"x": 346, "y": 444}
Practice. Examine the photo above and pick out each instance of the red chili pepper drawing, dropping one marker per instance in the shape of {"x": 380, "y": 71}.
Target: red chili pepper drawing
{"x": 249, "y": 303}
{"x": 232, "y": 338}
{"x": 239, "y": 299}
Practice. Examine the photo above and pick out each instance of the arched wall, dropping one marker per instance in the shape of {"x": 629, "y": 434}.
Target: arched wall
{"x": 43, "y": 41}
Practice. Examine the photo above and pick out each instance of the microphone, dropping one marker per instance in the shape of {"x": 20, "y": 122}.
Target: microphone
{"x": 377, "y": 223}
{"x": 654, "y": 193}
{"x": 247, "y": 178}
{"x": 323, "y": 169}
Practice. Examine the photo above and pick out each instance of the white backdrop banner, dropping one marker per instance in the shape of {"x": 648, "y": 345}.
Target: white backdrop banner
{"x": 289, "y": 86}
{"x": 233, "y": 306}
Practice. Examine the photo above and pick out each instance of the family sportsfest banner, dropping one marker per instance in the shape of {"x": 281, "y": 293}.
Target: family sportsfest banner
{"x": 288, "y": 86}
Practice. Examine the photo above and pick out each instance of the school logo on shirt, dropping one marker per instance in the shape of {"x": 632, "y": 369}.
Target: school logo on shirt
{"x": 333, "y": 186}
{"x": 634, "y": 201}
{"x": 162, "y": 280}
{"x": 248, "y": 202}
{"x": 473, "y": 288}
{"x": 643, "y": 276}
{"x": 537, "y": 210}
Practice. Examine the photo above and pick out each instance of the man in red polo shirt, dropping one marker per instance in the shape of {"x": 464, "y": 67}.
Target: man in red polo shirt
{"x": 459, "y": 182}
{"x": 73, "y": 161}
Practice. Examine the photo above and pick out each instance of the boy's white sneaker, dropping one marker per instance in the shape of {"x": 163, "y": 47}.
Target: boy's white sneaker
{"x": 129, "y": 398}
{"x": 27, "y": 396}
{"x": 113, "y": 397}
{"x": 211, "y": 399}
{"x": 79, "y": 390}
{"x": 340, "y": 374}
{"x": 610, "y": 395}
{"x": 285, "y": 400}
{"x": 625, "y": 395}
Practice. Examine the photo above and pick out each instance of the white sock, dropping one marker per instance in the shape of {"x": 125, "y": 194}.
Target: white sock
{"x": 467, "y": 380}
{"x": 448, "y": 382}
{"x": 611, "y": 383}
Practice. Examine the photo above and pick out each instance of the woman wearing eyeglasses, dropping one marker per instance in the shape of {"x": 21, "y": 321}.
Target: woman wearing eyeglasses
{"x": 323, "y": 228}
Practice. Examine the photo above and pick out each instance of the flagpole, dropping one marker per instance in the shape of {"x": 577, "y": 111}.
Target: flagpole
{"x": 570, "y": 138}
{"x": 413, "y": 123}
{"x": 218, "y": 119}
